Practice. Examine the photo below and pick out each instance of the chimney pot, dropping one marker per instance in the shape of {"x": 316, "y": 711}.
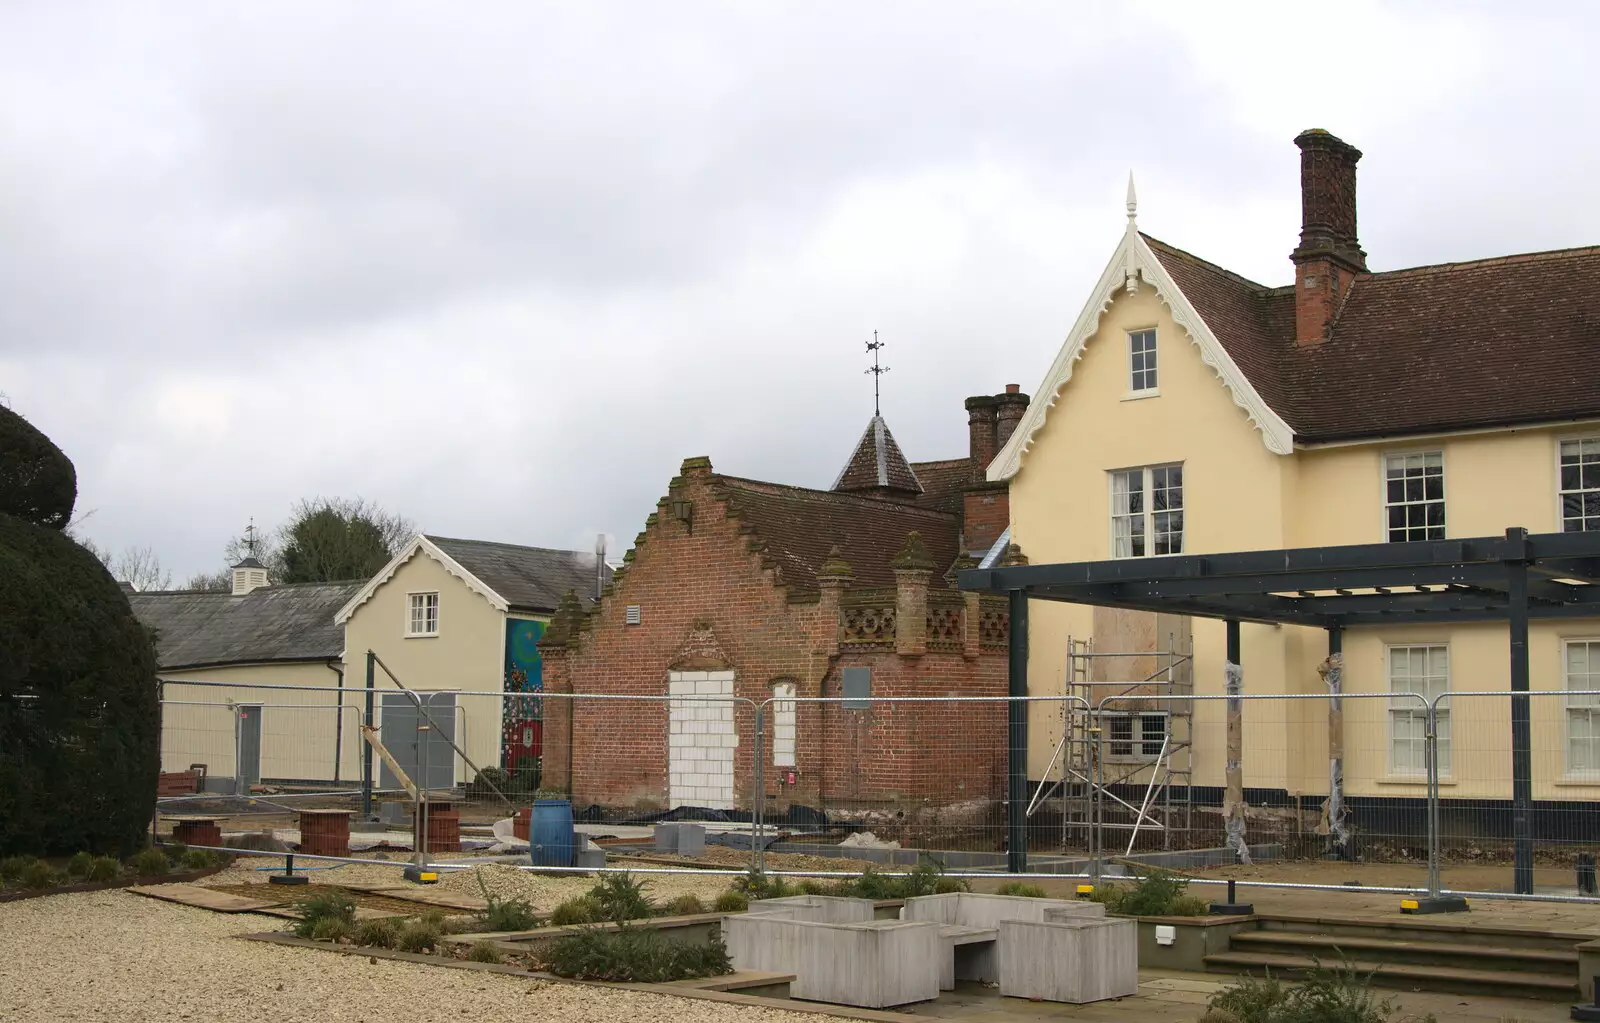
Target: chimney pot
{"x": 1013, "y": 388}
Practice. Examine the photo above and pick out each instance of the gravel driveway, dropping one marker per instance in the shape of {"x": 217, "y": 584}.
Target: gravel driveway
{"x": 122, "y": 958}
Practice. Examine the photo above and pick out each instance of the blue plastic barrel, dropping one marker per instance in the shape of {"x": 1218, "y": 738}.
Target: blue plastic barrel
{"x": 550, "y": 839}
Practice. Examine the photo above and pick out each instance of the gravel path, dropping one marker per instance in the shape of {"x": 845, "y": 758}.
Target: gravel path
{"x": 120, "y": 958}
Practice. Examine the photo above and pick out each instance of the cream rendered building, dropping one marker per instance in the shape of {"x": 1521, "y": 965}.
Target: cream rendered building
{"x": 267, "y": 683}
{"x": 1193, "y": 411}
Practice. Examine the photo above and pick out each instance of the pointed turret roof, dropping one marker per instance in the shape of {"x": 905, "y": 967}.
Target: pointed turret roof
{"x": 878, "y": 464}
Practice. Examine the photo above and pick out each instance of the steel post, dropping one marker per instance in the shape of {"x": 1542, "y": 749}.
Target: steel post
{"x": 1017, "y": 722}
{"x": 1521, "y": 725}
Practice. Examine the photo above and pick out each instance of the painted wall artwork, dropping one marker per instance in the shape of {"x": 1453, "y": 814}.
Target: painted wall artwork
{"x": 522, "y": 737}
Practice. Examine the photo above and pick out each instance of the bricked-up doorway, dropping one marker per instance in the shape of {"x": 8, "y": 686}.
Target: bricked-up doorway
{"x": 701, "y": 739}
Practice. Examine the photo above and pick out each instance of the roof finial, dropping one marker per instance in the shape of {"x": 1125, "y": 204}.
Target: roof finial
{"x": 877, "y": 371}
{"x": 1133, "y": 203}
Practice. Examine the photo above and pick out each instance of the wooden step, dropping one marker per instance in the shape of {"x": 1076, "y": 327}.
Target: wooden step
{"x": 1406, "y": 976}
{"x": 1332, "y": 948}
{"x": 1459, "y": 929}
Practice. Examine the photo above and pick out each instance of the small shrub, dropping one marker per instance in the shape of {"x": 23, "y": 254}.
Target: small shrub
{"x": 79, "y": 865}
{"x": 1153, "y": 894}
{"x": 377, "y": 933}
{"x": 484, "y": 952}
{"x": 103, "y": 869}
{"x": 1021, "y": 889}
{"x": 619, "y": 897}
{"x": 418, "y": 936}
{"x": 175, "y": 852}
{"x": 330, "y": 928}
{"x": 1341, "y": 995}
{"x": 506, "y": 914}
{"x": 685, "y": 905}
{"x": 636, "y": 955}
{"x": 731, "y": 901}
{"x": 812, "y": 886}
{"x": 199, "y": 859}
{"x": 1189, "y": 905}
{"x": 922, "y": 880}
{"x": 581, "y": 910}
{"x": 39, "y": 875}
{"x": 951, "y": 885}
{"x": 873, "y": 885}
{"x": 757, "y": 886}
{"x": 150, "y": 863}
{"x": 11, "y": 867}
{"x": 333, "y": 905}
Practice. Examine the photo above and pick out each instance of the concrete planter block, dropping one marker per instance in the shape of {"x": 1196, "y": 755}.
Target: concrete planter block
{"x": 872, "y": 965}
{"x": 591, "y": 858}
{"x": 691, "y": 839}
{"x": 1076, "y": 961}
{"x": 666, "y": 838}
{"x": 968, "y": 909}
{"x": 819, "y": 908}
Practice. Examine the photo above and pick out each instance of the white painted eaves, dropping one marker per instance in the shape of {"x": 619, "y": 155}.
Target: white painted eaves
{"x": 1133, "y": 265}
{"x": 419, "y": 544}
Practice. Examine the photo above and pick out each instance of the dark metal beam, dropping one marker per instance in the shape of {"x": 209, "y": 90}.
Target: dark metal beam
{"x": 1017, "y": 734}
{"x": 1521, "y": 725}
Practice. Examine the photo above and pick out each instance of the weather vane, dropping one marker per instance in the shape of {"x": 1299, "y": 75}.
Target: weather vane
{"x": 250, "y": 537}
{"x": 877, "y": 371}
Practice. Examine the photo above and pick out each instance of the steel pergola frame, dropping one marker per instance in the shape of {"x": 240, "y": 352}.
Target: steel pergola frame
{"x": 1515, "y": 578}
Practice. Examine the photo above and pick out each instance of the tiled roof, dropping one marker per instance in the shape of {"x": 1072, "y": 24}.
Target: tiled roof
{"x": 1495, "y": 342}
{"x": 877, "y": 463}
{"x": 942, "y": 482}
{"x": 529, "y": 578}
{"x": 799, "y": 527}
{"x": 274, "y": 623}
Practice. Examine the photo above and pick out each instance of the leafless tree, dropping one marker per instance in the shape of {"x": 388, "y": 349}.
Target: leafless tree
{"x": 139, "y": 567}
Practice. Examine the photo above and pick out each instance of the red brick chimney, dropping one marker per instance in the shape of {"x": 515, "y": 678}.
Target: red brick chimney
{"x": 985, "y": 508}
{"x": 1329, "y": 255}
{"x": 981, "y": 434}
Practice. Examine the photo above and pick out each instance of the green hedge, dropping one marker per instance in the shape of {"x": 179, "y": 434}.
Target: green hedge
{"x": 37, "y": 482}
{"x": 79, "y": 717}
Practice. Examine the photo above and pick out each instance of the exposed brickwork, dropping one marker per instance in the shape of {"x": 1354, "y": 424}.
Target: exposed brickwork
{"x": 710, "y": 595}
{"x": 986, "y": 512}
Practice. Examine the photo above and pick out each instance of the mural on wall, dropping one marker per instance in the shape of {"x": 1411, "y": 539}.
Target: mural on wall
{"x": 523, "y": 732}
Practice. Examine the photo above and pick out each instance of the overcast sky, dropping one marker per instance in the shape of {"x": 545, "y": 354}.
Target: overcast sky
{"x": 501, "y": 266}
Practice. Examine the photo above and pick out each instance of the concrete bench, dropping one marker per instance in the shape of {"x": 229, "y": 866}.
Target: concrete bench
{"x": 872, "y": 964}
{"x": 968, "y": 953}
{"x": 968, "y": 927}
{"x": 820, "y": 908}
{"x": 1074, "y": 960}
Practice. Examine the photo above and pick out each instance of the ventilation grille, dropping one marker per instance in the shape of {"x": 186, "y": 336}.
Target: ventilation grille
{"x": 634, "y": 614}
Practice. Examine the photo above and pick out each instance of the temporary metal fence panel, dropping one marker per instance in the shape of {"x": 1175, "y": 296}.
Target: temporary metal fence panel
{"x": 627, "y": 762}
{"x": 1308, "y": 776}
{"x": 895, "y": 777}
{"x": 1504, "y": 825}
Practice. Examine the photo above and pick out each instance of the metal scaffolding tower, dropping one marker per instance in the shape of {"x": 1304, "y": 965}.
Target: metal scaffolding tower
{"x": 1145, "y": 751}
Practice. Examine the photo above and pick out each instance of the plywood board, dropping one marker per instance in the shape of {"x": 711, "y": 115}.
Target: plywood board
{"x": 434, "y": 897}
{"x": 203, "y": 898}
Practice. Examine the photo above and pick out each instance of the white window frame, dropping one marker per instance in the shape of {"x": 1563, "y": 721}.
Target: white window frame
{"x": 1444, "y": 491}
{"x": 1581, "y": 708}
{"x": 1151, "y": 366}
{"x": 1147, "y": 515}
{"x": 1415, "y": 718}
{"x": 785, "y": 725}
{"x": 413, "y": 619}
{"x": 1142, "y": 749}
{"x": 1561, "y": 493}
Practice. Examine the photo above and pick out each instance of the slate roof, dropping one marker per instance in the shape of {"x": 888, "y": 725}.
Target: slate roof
{"x": 529, "y": 578}
{"x": 877, "y": 463}
{"x": 1494, "y": 342}
{"x": 799, "y": 526}
{"x": 274, "y": 623}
